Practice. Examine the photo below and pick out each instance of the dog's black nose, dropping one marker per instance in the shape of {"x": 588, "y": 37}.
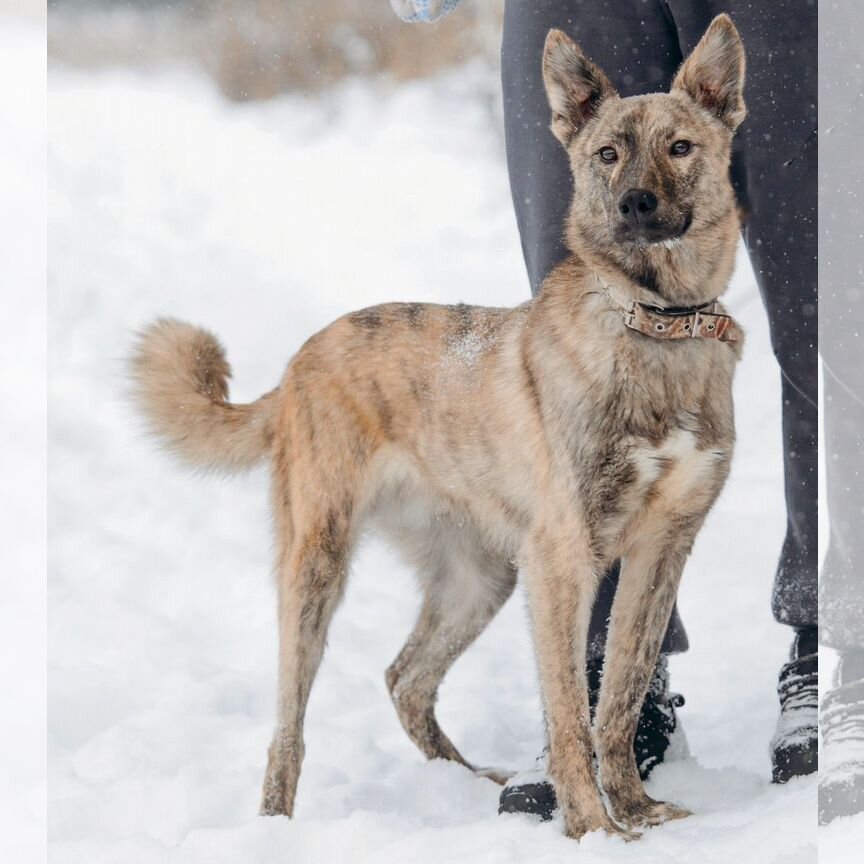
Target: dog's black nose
{"x": 637, "y": 202}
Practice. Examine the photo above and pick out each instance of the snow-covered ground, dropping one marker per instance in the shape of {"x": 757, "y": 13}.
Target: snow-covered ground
{"x": 23, "y": 438}
{"x": 265, "y": 222}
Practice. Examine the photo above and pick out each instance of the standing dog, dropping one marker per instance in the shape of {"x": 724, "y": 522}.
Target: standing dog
{"x": 592, "y": 423}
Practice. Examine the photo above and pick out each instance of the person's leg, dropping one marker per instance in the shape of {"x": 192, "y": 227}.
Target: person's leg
{"x": 636, "y": 44}
{"x": 779, "y": 174}
{"x": 782, "y": 240}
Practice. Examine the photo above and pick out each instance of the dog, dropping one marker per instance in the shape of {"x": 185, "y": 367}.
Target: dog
{"x": 591, "y": 424}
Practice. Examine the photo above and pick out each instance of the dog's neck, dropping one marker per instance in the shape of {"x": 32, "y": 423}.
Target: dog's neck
{"x": 679, "y": 273}
{"x": 623, "y": 295}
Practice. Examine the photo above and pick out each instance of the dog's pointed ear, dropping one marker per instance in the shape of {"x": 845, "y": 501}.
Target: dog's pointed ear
{"x": 575, "y": 87}
{"x": 713, "y": 74}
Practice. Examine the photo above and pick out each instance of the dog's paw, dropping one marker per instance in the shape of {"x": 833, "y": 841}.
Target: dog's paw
{"x": 496, "y": 775}
{"x": 578, "y": 828}
{"x": 628, "y": 835}
{"x": 649, "y": 813}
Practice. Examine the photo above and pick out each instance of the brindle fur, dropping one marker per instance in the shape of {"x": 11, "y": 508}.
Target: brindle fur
{"x": 548, "y": 436}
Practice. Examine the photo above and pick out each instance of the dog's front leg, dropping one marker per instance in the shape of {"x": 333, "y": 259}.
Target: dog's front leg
{"x": 561, "y": 584}
{"x": 646, "y": 592}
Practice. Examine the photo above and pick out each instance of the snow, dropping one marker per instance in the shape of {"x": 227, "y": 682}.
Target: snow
{"x": 264, "y": 222}
{"x": 22, "y": 456}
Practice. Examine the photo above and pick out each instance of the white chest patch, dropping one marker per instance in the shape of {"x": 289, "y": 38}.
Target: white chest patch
{"x": 677, "y": 462}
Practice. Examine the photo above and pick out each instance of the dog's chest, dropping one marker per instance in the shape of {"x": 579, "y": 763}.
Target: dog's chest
{"x": 676, "y": 464}
{"x": 657, "y": 480}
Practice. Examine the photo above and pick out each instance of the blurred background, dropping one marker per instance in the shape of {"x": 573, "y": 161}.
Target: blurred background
{"x": 257, "y": 49}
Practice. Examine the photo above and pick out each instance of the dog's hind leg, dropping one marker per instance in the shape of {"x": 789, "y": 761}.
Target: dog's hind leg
{"x": 312, "y": 571}
{"x": 462, "y": 594}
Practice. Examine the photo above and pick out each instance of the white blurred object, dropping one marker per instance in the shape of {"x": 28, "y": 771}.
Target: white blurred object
{"x": 423, "y": 10}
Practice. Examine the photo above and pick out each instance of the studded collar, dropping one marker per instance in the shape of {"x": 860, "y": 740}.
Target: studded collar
{"x": 707, "y": 321}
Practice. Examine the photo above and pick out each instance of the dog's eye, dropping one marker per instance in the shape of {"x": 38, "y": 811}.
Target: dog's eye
{"x": 680, "y": 148}
{"x": 608, "y": 155}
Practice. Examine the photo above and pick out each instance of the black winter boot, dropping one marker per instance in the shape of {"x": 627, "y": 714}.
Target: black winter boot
{"x": 795, "y": 745}
{"x": 841, "y": 781}
{"x": 532, "y": 792}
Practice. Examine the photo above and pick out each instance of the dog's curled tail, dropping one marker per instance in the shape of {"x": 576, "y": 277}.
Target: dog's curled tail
{"x": 179, "y": 380}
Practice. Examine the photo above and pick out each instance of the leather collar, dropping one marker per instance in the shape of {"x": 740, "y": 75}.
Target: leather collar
{"x": 707, "y": 321}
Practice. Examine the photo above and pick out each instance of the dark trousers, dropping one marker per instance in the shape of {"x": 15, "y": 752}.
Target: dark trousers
{"x": 640, "y": 44}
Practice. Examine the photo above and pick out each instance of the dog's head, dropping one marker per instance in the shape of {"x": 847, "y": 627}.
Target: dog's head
{"x": 650, "y": 172}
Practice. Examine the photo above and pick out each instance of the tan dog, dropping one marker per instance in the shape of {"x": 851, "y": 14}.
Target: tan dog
{"x": 590, "y": 424}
